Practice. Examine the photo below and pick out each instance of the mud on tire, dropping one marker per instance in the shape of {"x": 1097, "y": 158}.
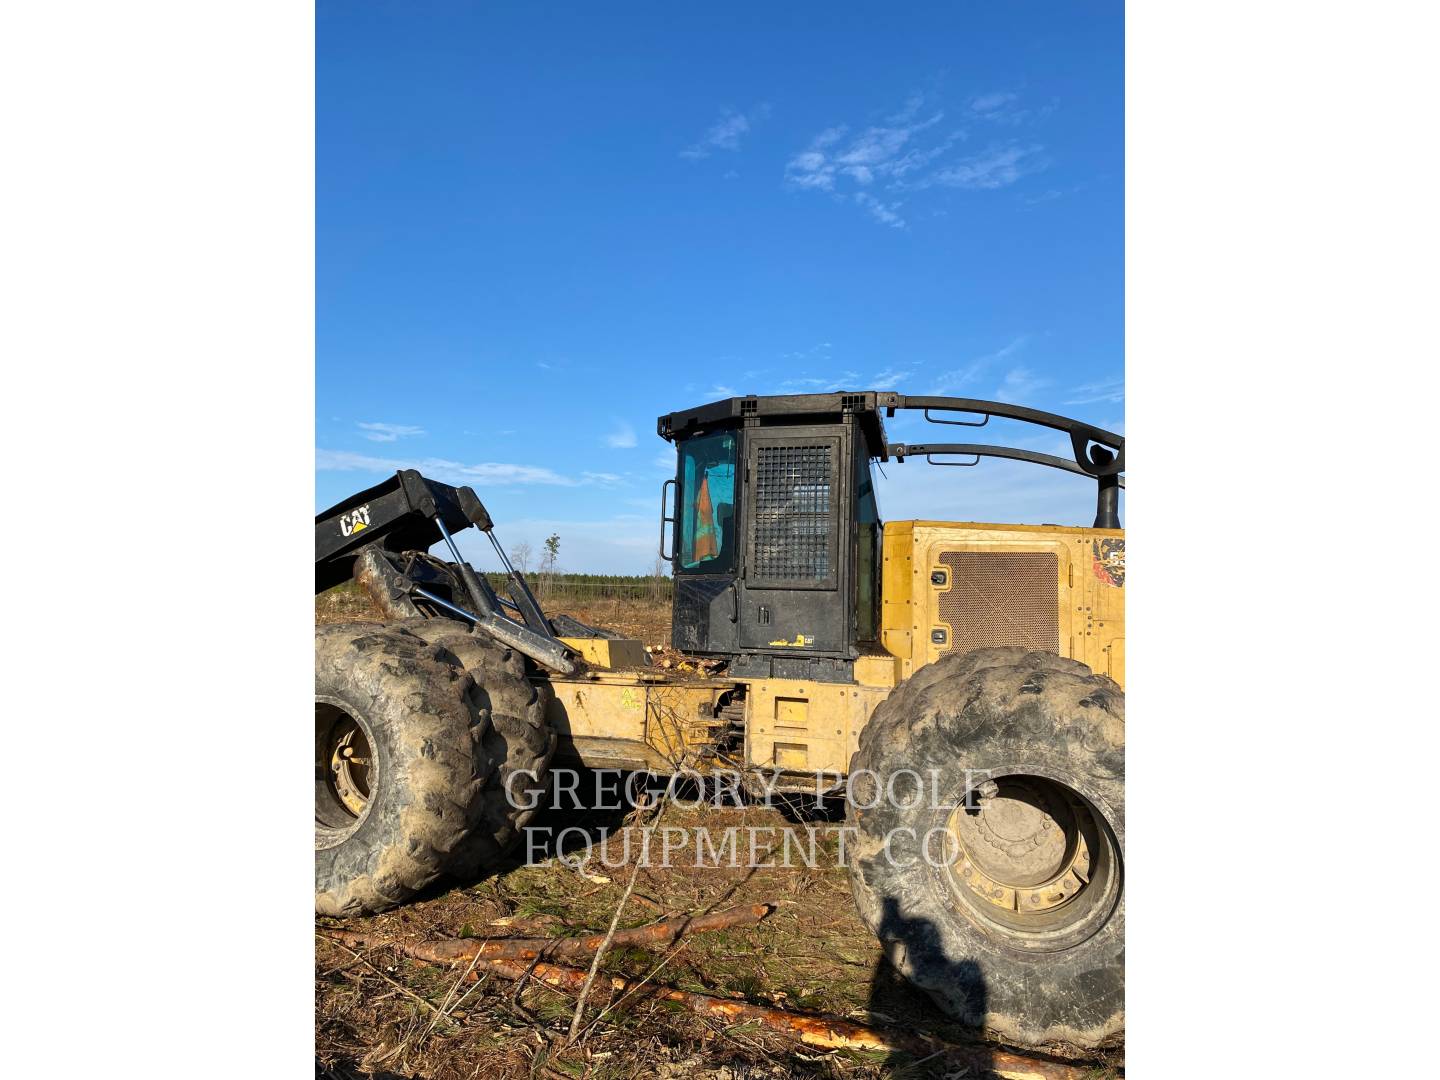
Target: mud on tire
{"x": 396, "y": 772}
{"x": 1035, "y": 959}
{"x": 517, "y": 742}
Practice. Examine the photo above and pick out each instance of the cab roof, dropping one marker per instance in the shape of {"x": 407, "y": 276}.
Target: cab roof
{"x": 834, "y": 408}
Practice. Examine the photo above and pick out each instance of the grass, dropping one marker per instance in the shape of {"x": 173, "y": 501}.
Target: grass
{"x": 813, "y": 953}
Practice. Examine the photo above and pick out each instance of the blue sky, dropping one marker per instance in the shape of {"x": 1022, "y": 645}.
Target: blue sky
{"x": 541, "y": 226}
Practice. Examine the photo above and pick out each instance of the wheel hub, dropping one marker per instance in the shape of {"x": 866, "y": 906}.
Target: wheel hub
{"x": 1021, "y": 847}
{"x": 345, "y": 773}
{"x": 350, "y": 767}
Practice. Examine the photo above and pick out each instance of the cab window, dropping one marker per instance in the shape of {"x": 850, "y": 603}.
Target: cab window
{"x": 707, "y": 504}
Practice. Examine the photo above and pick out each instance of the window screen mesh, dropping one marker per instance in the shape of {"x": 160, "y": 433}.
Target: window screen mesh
{"x": 793, "y": 527}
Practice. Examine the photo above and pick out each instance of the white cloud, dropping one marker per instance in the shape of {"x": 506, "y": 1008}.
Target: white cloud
{"x": 1004, "y": 108}
{"x": 820, "y": 384}
{"x": 450, "y": 472}
{"x": 996, "y": 167}
{"x": 388, "y": 432}
{"x": 875, "y": 153}
{"x": 890, "y": 378}
{"x": 885, "y": 213}
{"x": 725, "y": 133}
{"x": 623, "y": 437}
{"x": 819, "y": 352}
{"x": 990, "y": 104}
{"x": 1019, "y": 386}
{"x": 915, "y": 160}
{"x": 908, "y": 151}
{"x": 1111, "y": 391}
{"x": 958, "y": 378}
{"x": 1049, "y": 195}
{"x": 604, "y": 479}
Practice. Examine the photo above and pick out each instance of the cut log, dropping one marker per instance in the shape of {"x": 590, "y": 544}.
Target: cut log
{"x": 516, "y": 958}
{"x": 811, "y": 1028}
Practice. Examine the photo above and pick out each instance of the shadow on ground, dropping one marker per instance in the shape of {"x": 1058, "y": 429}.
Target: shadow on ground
{"x": 894, "y": 1002}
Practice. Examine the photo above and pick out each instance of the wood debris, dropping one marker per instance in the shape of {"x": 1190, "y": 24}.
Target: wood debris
{"x": 461, "y": 950}
{"x": 528, "y": 958}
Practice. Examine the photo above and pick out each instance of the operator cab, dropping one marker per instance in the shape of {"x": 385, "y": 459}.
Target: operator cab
{"x": 767, "y": 566}
{"x": 776, "y": 533}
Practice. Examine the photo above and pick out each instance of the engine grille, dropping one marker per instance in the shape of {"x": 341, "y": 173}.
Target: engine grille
{"x": 793, "y": 524}
{"x": 1002, "y": 598}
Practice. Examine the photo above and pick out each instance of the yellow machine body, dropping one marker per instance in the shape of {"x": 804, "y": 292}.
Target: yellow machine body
{"x": 956, "y": 587}
{"x": 945, "y": 587}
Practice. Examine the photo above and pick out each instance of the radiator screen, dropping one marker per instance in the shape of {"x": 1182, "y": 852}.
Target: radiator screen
{"x": 1002, "y": 598}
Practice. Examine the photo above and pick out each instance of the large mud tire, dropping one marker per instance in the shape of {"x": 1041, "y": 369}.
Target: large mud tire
{"x": 995, "y": 714}
{"x": 421, "y": 723}
{"x": 518, "y": 739}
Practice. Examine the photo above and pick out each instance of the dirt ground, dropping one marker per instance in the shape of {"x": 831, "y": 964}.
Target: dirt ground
{"x": 633, "y": 618}
{"x": 380, "y": 1015}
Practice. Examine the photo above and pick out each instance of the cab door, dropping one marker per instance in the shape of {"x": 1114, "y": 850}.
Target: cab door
{"x": 706, "y": 558}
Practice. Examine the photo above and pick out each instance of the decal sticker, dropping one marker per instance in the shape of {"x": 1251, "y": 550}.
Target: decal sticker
{"x": 800, "y": 642}
{"x": 630, "y": 700}
{"x": 1110, "y": 561}
{"x": 353, "y": 522}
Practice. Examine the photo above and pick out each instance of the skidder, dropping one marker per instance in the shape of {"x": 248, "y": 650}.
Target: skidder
{"x": 968, "y": 674}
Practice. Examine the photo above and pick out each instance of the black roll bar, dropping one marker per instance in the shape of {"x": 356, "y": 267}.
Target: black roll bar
{"x": 1099, "y": 454}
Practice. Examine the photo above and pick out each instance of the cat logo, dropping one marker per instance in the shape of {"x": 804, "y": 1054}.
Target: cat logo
{"x": 353, "y": 522}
